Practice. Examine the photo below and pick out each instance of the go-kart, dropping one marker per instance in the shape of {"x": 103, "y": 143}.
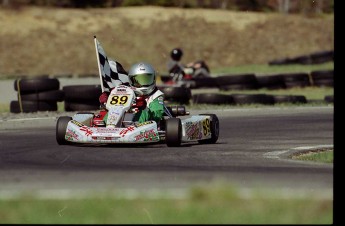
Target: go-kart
{"x": 180, "y": 78}
{"x": 119, "y": 127}
{"x": 189, "y": 76}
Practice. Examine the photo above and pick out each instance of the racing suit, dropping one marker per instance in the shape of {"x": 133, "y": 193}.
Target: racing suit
{"x": 154, "y": 108}
{"x": 147, "y": 108}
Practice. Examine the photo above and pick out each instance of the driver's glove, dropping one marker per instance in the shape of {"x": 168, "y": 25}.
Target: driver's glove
{"x": 140, "y": 103}
{"x": 103, "y": 98}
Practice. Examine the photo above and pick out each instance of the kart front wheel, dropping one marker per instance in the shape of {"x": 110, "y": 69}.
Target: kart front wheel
{"x": 173, "y": 132}
{"x": 214, "y": 127}
{"x": 61, "y": 126}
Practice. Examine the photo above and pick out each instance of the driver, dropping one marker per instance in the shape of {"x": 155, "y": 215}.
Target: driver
{"x": 149, "y": 103}
{"x": 174, "y": 65}
{"x": 179, "y": 71}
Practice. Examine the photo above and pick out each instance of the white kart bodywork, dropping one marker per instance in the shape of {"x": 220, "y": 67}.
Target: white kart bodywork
{"x": 121, "y": 129}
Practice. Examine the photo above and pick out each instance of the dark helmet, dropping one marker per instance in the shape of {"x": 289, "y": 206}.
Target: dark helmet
{"x": 176, "y": 54}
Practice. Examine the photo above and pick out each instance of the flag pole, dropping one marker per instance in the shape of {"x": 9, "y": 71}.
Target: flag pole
{"x": 98, "y": 63}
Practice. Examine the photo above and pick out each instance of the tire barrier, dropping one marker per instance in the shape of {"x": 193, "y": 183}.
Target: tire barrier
{"x": 296, "y": 80}
{"x": 172, "y": 94}
{"x": 289, "y": 99}
{"x": 271, "y": 81}
{"x": 322, "y": 57}
{"x": 240, "y": 99}
{"x": 36, "y": 94}
{"x": 322, "y": 78}
{"x": 329, "y": 98}
{"x": 237, "y": 82}
{"x": 210, "y": 82}
{"x": 42, "y": 93}
{"x": 82, "y": 97}
{"x": 314, "y": 58}
{"x": 52, "y": 95}
{"x": 32, "y": 106}
{"x": 212, "y": 98}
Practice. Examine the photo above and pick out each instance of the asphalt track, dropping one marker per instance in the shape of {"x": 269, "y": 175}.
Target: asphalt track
{"x": 252, "y": 152}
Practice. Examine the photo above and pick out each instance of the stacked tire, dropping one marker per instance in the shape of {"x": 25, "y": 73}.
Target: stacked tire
{"x": 296, "y": 80}
{"x": 313, "y": 58}
{"x": 82, "y": 97}
{"x": 206, "y": 82}
{"x": 271, "y": 81}
{"x": 237, "y": 82}
{"x": 322, "y": 78}
{"x": 36, "y": 94}
{"x": 172, "y": 94}
{"x": 241, "y": 99}
{"x": 212, "y": 98}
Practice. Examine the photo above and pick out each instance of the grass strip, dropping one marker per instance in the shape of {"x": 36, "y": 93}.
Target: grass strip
{"x": 324, "y": 156}
{"x": 202, "y": 205}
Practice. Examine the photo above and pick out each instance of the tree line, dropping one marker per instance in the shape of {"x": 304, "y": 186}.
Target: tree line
{"x": 282, "y": 6}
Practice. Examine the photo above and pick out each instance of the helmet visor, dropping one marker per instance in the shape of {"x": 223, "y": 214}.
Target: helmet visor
{"x": 142, "y": 80}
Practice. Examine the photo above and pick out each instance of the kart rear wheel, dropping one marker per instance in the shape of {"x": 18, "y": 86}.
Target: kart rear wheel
{"x": 61, "y": 126}
{"x": 173, "y": 132}
{"x": 214, "y": 126}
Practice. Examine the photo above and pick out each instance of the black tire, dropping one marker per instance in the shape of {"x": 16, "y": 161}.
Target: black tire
{"x": 180, "y": 95}
{"x": 82, "y": 93}
{"x": 296, "y": 80}
{"x": 32, "y": 106}
{"x": 324, "y": 83}
{"x": 208, "y": 82}
{"x": 36, "y": 84}
{"x": 173, "y": 132}
{"x": 322, "y": 74}
{"x": 289, "y": 99}
{"x": 212, "y": 98}
{"x": 214, "y": 126}
{"x": 323, "y": 78}
{"x": 253, "y": 99}
{"x": 61, "y": 126}
{"x": 322, "y": 57}
{"x": 237, "y": 82}
{"x": 52, "y": 95}
{"x": 236, "y": 79}
{"x": 87, "y": 106}
{"x": 271, "y": 81}
{"x": 329, "y": 98}
{"x": 300, "y": 60}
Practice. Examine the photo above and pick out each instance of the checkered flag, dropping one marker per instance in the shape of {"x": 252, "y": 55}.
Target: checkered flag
{"x": 111, "y": 72}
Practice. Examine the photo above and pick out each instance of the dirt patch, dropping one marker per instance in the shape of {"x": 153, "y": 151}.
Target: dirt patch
{"x": 56, "y": 41}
